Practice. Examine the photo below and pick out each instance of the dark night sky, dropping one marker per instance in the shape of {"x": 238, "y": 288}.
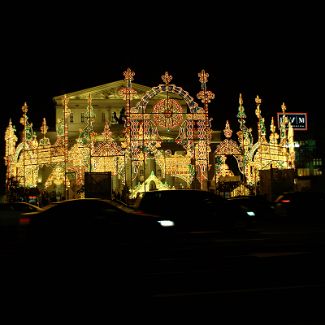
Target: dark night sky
{"x": 276, "y": 53}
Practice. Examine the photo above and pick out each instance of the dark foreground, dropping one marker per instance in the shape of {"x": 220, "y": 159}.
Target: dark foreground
{"x": 267, "y": 275}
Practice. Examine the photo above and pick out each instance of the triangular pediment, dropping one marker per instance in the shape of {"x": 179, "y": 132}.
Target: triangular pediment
{"x": 106, "y": 91}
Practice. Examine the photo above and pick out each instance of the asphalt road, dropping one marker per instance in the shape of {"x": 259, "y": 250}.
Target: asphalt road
{"x": 272, "y": 274}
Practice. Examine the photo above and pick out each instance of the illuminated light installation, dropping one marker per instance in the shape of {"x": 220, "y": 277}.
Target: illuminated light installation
{"x": 57, "y": 177}
{"x": 66, "y": 114}
{"x": 106, "y": 155}
{"x": 252, "y": 157}
{"x": 227, "y": 147}
{"x": 79, "y": 160}
{"x": 166, "y": 139}
{"x": 27, "y": 167}
{"x": 45, "y": 142}
{"x": 204, "y": 130}
{"x": 275, "y": 153}
{"x": 30, "y": 155}
{"x": 193, "y": 132}
{"x": 131, "y": 143}
{"x": 10, "y": 140}
{"x": 168, "y": 113}
{"x": 151, "y": 183}
{"x": 88, "y": 131}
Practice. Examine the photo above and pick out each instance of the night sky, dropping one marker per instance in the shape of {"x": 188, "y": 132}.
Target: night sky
{"x": 276, "y": 53}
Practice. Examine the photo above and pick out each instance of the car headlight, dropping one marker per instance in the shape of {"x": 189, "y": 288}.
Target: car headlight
{"x": 250, "y": 213}
{"x": 166, "y": 223}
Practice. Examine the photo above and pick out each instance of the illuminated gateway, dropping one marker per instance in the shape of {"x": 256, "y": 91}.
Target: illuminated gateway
{"x": 147, "y": 138}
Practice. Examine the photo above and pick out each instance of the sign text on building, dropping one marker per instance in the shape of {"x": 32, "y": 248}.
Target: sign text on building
{"x": 297, "y": 120}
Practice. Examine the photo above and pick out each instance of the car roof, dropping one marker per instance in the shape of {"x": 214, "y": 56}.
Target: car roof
{"x": 178, "y": 194}
{"x": 302, "y": 196}
{"x": 5, "y": 204}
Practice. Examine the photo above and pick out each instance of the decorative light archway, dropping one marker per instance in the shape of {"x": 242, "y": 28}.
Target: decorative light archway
{"x": 194, "y": 127}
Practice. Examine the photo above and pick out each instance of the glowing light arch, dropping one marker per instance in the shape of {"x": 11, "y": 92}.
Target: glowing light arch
{"x": 229, "y": 147}
{"x": 154, "y": 91}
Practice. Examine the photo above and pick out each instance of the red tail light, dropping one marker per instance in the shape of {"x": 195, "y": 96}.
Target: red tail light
{"x": 24, "y": 221}
{"x": 285, "y": 201}
{"x": 138, "y": 212}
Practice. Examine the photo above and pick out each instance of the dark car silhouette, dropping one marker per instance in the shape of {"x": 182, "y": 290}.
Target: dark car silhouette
{"x": 191, "y": 209}
{"x": 10, "y": 212}
{"x": 83, "y": 244}
{"x": 257, "y": 208}
{"x": 97, "y": 226}
{"x": 300, "y": 206}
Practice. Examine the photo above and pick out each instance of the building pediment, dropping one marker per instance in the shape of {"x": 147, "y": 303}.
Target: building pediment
{"x": 107, "y": 91}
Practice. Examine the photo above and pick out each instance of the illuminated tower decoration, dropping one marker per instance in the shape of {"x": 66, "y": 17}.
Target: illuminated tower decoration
{"x": 66, "y": 115}
{"x": 142, "y": 134}
{"x": 261, "y": 129}
{"x": 262, "y": 149}
{"x": 22, "y": 159}
{"x": 263, "y": 157}
{"x": 79, "y": 160}
{"x": 131, "y": 143}
{"x": 88, "y": 131}
{"x": 287, "y": 138}
{"x": 10, "y": 140}
{"x": 273, "y": 141}
{"x": 283, "y": 126}
{"x": 28, "y": 127}
{"x": 245, "y": 140}
{"x": 128, "y": 92}
{"x": 26, "y": 153}
{"x": 44, "y": 141}
{"x": 204, "y": 131}
{"x": 291, "y": 160}
{"x": 205, "y": 95}
{"x": 274, "y": 136}
{"x": 59, "y": 132}
{"x": 57, "y": 156}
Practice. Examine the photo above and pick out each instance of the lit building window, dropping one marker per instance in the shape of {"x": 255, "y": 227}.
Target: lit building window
{"x": 303, "y": 172}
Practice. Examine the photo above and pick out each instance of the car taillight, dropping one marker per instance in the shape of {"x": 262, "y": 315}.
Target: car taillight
{"x": 24, "y": 221}
{"x": 138, "y": 212}
{"x": 285, "y": 201}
